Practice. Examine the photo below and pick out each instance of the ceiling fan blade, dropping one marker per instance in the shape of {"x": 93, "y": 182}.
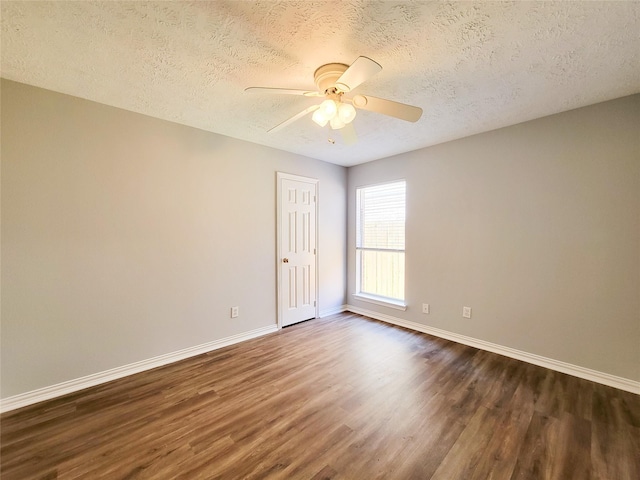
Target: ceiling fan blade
{"x": 361, "y": 70}
{"x": 294, "y": 118}
{"x": 285, "y": 91}
{"x": 348, "y": 133}
{"x": 387, "y": 107}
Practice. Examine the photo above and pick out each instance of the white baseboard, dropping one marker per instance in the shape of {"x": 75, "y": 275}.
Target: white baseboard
{"x": 575, "y": 370}
{"x": 47, "y": 393}
{"x": 332, "y": 311}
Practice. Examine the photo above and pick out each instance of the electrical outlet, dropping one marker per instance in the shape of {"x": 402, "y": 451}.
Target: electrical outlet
{"x": 235, "y": 311}
{"x": 466, "y": 312}
{"x": 425, "y": 308}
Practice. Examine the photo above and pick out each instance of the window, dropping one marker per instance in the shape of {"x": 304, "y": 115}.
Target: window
{"x": 380, "y": 216}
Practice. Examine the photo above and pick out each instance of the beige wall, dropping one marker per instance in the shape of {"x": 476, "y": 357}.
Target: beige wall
{"x": 536, "y": 227}
{"x": 126, "y": 237}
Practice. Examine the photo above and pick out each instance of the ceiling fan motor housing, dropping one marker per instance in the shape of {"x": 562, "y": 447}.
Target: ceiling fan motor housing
{"x": 327, "y": 75}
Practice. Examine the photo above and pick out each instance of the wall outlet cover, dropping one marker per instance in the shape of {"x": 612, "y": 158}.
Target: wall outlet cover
{"x": 466, "y": 312}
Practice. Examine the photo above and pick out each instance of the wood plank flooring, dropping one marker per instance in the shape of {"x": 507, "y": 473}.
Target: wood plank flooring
{"x": 344, "y": 397}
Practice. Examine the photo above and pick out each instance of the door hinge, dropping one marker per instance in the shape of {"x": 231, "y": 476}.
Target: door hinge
{"x": 314, "y": 199}
{"x": 314, "y": 251}
{"x": 314, "y": 303}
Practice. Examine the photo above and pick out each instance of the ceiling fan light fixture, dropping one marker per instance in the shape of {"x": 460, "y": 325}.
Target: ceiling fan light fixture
{"x": 346, "y": 112}
{"x": 336, "y": 113}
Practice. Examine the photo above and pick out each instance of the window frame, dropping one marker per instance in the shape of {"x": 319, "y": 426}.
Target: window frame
{"x": 395, "y": 303}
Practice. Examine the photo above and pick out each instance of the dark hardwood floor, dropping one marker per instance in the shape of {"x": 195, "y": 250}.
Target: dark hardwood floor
{"x": 343, "y": 397}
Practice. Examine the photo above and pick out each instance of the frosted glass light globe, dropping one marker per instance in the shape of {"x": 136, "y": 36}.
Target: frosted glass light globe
{"x": 319, "y": 118}
{"x": 346, "y": 112}
{"x": 328, "y": 109}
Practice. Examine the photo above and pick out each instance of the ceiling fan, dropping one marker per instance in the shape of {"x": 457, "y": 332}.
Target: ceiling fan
{"x": 335, "y": 82}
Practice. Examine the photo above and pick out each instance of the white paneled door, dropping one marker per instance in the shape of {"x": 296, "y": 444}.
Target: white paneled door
{"x": 297, "y": 234}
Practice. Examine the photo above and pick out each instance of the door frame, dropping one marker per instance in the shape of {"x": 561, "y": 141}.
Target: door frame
{"x": 279, "y": 300}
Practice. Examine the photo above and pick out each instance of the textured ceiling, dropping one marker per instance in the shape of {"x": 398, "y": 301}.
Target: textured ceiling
{"x": 472, "y": 66}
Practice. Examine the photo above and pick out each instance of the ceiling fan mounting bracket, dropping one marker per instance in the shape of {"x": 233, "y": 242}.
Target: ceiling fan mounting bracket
{"x": 327, "y": 75}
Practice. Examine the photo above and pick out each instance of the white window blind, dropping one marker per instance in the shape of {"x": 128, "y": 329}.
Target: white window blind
{"x": 380, "y": 225}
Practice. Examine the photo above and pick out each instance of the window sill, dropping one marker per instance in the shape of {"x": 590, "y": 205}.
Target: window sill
{"x": 385, "y": 302}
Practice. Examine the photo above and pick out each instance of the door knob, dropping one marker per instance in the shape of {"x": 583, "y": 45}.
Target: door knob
{"x": 285, "y": 260}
